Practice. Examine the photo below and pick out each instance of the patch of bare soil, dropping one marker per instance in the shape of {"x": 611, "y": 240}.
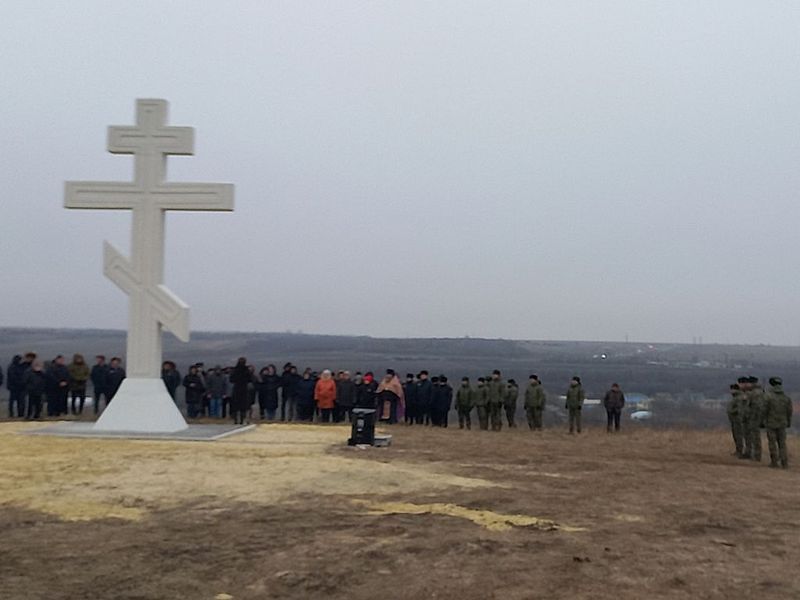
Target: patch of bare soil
{"x": 290, "y": 512}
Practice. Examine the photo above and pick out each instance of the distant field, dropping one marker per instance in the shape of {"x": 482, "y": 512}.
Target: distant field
{"x": 289, "y": 511}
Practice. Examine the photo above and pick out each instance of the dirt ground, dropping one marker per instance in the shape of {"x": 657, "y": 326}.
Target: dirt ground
{"x": 289, "y": 511}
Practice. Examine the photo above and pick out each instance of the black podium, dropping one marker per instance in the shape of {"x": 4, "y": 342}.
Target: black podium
{"x": 363, "y": 431}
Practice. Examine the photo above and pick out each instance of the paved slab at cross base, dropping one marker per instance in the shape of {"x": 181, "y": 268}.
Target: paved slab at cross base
{"x": 193, "y": 433}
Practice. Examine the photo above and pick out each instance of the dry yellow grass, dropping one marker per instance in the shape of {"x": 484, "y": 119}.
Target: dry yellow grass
{"x": 489, "y": 519}
{"x": 85, "y": 479}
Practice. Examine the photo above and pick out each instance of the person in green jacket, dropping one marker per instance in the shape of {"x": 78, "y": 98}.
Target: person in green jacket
{"x": 777, "y": 419}
{"x": 574, "y": 404}
{"x": 78, "y": 376}
{"x": 755, "y": 419}
{"x": 735, "y": 418}
{"x": 496, "y": 390}
{"x": 481, "y": 402}
{"x": 744, "y": 411}
{"x": 534, "y": 403}
{"x": 465, "y": 399}
{"x": 510, "y": 403}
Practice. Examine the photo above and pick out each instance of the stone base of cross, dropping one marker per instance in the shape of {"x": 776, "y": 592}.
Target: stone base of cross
{"x": 142, "y": 402}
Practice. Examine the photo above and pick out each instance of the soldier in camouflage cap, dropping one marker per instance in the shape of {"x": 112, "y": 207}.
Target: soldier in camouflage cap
{"x": 481, "y": 401}
{"x": 744, "y": 415}
{"x": 465, "y": 399}
{"x": 735, "y": 418}
{"x": 574, "y": 403}
{"x": 777, "y": 418}
{"x": 755, "y": 418}
{"x": 510, "y": 403}
{"x": 534, "y": 403}
{"x": 496, "y": 391}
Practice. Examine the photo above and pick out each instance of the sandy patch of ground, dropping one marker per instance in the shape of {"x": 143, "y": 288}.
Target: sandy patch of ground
{"x": 491, "y": 520}
{"x": 93, "y": 479}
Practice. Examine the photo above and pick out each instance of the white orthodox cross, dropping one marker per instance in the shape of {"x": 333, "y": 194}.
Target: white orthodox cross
{"x": 148, "y": 196}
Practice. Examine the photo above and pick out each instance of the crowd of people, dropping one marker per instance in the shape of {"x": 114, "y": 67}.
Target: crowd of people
{"x": 327, "y": 397}
{"x": 62, "y": 387}
{"x": 238, "y": 392}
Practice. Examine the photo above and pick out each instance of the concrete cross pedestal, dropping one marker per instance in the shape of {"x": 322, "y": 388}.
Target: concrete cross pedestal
{"x": 142, "y": 403}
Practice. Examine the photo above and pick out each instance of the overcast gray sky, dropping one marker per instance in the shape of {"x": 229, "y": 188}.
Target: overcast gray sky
{"x": 546, "y": 170}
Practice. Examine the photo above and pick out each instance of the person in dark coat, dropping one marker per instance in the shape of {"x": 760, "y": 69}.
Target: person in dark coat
{"x": 16, "y": 386}
{"x": 289, "y": 379}
{"x": 99, "y": 377}
{"x": 241, "y": 378}
{"x": 366, "y": 390}
{"x": 114, "y": 377}
{"x": 345, "y": 397}
{"x": 36, "y": 383}
{"x": 410, "y": 393}
{"x": 171, "y": 377}
{"x": 216, "y": 390}
{"x": 305, "y": 396}
{"x": 424, "y": 398}
{"x": 195, "y": 388}
{"x": 434, "y": 409}
{"x": 268, "y": 392}
{"x": 442, "y": 399}
{"x": 58, "y": 389}
{"x": 614, "y": 402}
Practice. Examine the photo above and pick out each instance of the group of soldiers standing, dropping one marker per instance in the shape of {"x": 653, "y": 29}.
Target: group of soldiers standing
{"x": 492, "y": 397}
{"x": 750, "y": 410}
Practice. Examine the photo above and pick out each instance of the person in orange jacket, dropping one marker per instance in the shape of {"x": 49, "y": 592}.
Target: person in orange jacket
{"x": 325, "y": 396}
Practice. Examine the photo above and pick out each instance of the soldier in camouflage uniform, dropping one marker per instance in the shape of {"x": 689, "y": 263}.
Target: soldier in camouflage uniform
{"x": 496, "y": 395}
{"x": 534, "y": 403}
{"x": 744, "y": 414}
{"x": 574, "y": 403}
{"x": 755, "y": 418}
{"x": 465, "y": 399}
{"x": 735, "y": 418}
{"x": 777, "y": 418}
{"x": 510, "y": 403}
{"x": 481, "y": 402}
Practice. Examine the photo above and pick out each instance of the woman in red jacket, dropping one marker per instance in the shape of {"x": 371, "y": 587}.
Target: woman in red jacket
{"x": 325, "y": 396}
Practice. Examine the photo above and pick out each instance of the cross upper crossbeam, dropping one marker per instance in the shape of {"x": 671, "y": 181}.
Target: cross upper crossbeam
{"x": 151, "y": 134}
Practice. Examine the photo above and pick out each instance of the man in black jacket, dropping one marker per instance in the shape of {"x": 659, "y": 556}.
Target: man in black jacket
{"x": 424, "y": 398}
{"x": 171, "y": 377}
{"x": 35, "y": 382}
{"x": 345, "y": 397}
{"x": 410, "y": 393}
{"x": 99, "y": 377}
{"x": 115, "y": 377}
{"x": 58, "y": 379}
{"x": 614, "y": 402}
{"x": 290, "y": 379}
{"x": 16, "y": 386}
